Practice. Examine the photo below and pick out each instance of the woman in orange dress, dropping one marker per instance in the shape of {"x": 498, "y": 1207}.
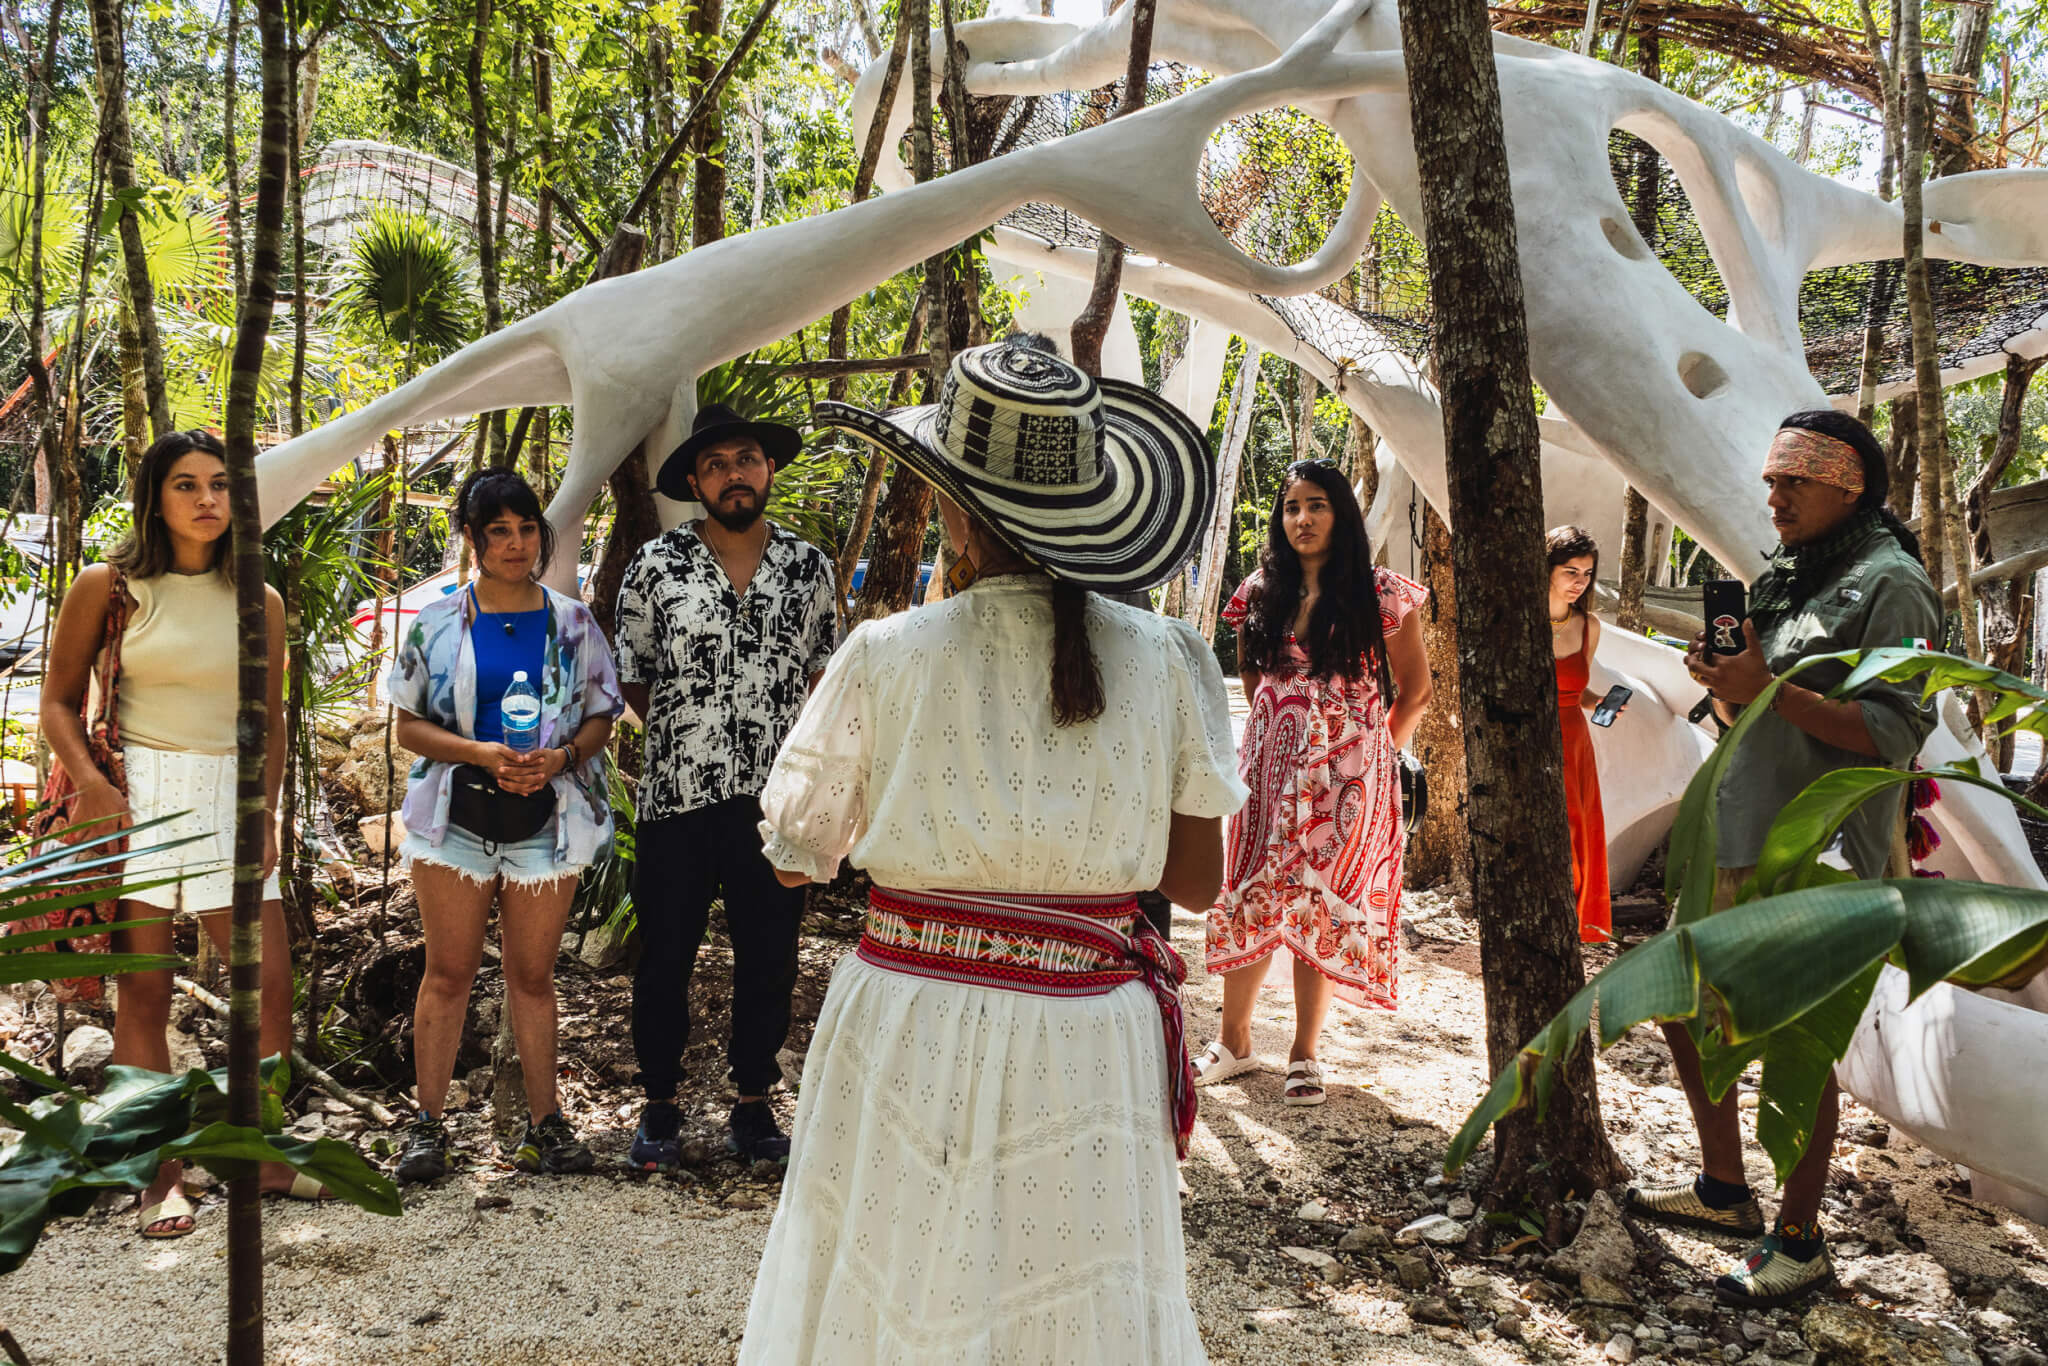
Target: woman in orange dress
{"x": 1574, "y": 637}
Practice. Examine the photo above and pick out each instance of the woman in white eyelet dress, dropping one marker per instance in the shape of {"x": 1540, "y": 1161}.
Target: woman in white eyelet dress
{"x": 978, "y": 1175}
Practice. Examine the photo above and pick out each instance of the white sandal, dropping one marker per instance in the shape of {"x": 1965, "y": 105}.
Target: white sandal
{"x": 1306, "y": 1076}
{"x": 1217, "y": 1063}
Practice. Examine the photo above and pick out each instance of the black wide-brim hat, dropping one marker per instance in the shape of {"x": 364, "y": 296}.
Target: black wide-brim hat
{"x": 1104, "y": 484}
{"x": 714, "y": 423}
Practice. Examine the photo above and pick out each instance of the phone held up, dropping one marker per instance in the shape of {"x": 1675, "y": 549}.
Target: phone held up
{"x": 1725, "y": 604}
{"x": 1611, "y": 705}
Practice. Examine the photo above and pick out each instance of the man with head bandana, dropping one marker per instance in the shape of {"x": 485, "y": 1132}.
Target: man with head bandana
{"x": 1846, "y": 576}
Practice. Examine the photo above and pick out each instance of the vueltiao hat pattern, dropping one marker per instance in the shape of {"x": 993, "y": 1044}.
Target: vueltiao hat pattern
{"x": 1103, "y": 483}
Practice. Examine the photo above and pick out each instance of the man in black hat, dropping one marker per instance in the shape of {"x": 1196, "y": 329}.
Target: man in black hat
{"x": 723, "y": 626}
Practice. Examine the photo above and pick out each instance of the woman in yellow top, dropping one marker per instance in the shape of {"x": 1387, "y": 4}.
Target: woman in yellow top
{"x": 177, "y": 696}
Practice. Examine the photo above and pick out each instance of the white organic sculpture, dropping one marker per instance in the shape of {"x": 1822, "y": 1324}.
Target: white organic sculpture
{"x": 1677, "y": 402}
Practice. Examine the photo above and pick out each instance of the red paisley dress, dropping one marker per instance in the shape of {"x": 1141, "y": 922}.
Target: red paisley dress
{"x": 1313, "y": 860}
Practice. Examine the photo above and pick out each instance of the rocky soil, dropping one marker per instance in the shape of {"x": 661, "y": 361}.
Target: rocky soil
{"x": 1313, "y": 1235}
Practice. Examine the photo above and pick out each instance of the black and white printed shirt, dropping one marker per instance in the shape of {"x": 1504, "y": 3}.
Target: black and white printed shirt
{"x": 726, "y": 674}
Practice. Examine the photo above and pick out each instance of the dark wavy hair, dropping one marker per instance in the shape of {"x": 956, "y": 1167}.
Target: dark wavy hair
{"x": 1343, "y": 639}
{"x": 1562, "y": 545}
{"x": 145, "y": 551}
{"x": 1877, "y": 474}
{"x": 493, "y": 491}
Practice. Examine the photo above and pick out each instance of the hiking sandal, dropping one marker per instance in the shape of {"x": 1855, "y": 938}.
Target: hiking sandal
{"x": 1217, "y": 1063}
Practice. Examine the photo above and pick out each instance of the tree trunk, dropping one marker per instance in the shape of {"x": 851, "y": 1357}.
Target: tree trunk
{"x": 295, "y": 146}
{"x": 1904, "y": 455}
{"x": 863, "y": 182}
{"x": 486, "y": 226}
{"x": 1306, "y": 389}
{"x": 634, "y": 520}
{"x": 1244, "y": 397}
{"x": 38, "y": 368}
{"x": 1635, "y": 561}
{"x": 543, "y": 44}
{"x": 135, "y": 436}
{"x": 1969, "y": 37}
{"x": 1440, "y": 853}
{"x": 890, "y": 583}
{"x": 229, "y": 155}
{"x": 1521, "y": 864}
{"x": 245, "y": 1210}
{"x": 1919, "y": 300}
{"x": 1093, "y": 323}
{"x": 661, "y": 121}
{"x": 878, "y": 462}
{"x": 112, "y": 64}
{"x": 707, "y": 191}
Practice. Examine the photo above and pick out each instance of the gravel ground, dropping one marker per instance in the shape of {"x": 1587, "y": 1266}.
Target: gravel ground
{"x": 496, "y": 1267}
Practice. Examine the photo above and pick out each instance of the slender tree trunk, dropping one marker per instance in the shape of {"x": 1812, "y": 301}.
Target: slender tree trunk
{"x": 1093, "y": 323}
{"x": 1441, "y": 851}
{"x": 871, "y": 481}
{"x": 1919, "y": 299}
{"x": 890, "y": 583}
{"x": 38, "y": 370}
{"x": 295, "y": 139}
{"x": 634, "y": 521}
{"x": 112, "y": 63}
{"x": 245, "y": 1210}
{"x": 1521, "y": 870}
{"x": 543, "y": 43}
{"x": 707, "y": 189}
{"x": 1969, "y": 37}
{"x": 661, "y": 122}
{"x": 486, "y": 226}
{"x": 863, "y": 182}
{"x": 229, "y": 154}
{"x": 135, "y": 436}
{"x": 1244, "y": 397}
{"x": 1904, "y": 455}
{"x": 1635, "y": 560}
{"x": 1884, "y": 277}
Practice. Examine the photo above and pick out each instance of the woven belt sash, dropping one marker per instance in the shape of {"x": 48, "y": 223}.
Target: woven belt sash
{"x": 1043, "y": 946}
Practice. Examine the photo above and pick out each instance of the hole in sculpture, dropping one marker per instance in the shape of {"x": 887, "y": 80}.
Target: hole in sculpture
{"x": 1662, "y": 219}
{"x": 1275, "y": 183}
{"x": 1701, "y": 374}
{"x": 1624, "y": 238}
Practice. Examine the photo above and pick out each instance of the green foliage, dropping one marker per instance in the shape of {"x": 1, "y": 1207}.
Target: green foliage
{"x": 408, "y": 281}
{"x": 1784, "y": 976}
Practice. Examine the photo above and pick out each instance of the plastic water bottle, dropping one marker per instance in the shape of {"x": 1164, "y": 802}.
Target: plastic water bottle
{"x": 519, "y": 715}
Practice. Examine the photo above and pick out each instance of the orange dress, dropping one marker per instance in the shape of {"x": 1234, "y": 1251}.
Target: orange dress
{"x": 1582, "y": 801}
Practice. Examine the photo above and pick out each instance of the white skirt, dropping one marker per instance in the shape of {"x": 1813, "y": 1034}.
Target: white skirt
{"x": 162, "y": 782}
{"x": 977, "y": 1177}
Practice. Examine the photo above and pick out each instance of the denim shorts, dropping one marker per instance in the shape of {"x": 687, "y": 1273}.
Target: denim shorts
{"x": 527, "y": 863}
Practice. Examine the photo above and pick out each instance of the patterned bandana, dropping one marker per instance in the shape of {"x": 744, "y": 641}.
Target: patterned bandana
{"x": 1795, "y": 574}
{"x": 1810, "y": 455}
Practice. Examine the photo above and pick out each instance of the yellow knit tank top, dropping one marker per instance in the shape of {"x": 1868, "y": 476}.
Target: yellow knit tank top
{"x": 178, "y": 660}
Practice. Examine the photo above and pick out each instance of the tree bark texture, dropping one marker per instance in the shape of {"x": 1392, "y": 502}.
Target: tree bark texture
{"x": 245, "y": 1210}
{"x": 1884, "y": 279}
{"x": 1931, "y": 416}
{"x": 38, "y": 366}
{"x": 1521, "y": 863}
{"x": 878, "y": 463}
{"x": 634, "y": 520}
{"x": 1440, "y": 853}
{"x": 295, "y": 142}
{"x": 1903, "y": 456}
{"x": 112, "y": 64}
{"x": 230, "y": 156}
{"x": 1093, "y": 323}
{"x": 1635, "y": 560}
{"x": 486, "y": 225}
{"x": 1969, "y": 37}
{"x": 1244, "y": 397}
{"x": 707, "y": 191}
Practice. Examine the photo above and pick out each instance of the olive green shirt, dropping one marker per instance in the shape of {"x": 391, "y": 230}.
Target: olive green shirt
{"x": 1876, "y": 595}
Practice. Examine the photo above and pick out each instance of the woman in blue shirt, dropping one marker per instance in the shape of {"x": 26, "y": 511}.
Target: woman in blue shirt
{"x": 470, "y": 786}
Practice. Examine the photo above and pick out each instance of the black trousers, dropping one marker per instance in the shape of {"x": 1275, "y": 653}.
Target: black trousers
{"x": 685, "y": 863}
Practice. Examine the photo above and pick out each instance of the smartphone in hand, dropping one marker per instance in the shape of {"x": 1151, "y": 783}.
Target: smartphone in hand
{"x": 1725, "y": 604}
{"x": 1611, "y": 705}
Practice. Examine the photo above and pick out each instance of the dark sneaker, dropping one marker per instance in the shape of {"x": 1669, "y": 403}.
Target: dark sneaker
{"x": 1679, "y": 1203}
{"x": 425, "y": 1154}
{"x": 551, "y": 1146}
{"x": 654, "y": 1142}
{"x": 1771, "y": 1276}
{"x": 755, "y": 1134}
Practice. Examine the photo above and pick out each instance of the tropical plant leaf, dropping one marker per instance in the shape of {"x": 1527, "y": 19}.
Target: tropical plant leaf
{"x": 408, "y": 282}
{"x": 1799, "y": 1058}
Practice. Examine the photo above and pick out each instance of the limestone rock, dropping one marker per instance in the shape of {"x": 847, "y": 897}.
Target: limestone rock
{"x": 1314, "y": 1258}
{"x": 1365, "y": 1238}
{"x": 606, "y": 950}
{"x": 1844, "y": 1335}
{"x": 1438, "y": 1229}
{"x": 1313, "y": 1212}
{"x": 87, "y": 1051}
{"x": 1460, "y": 1207}
{"x": 1602, "y": 1248}
{"x": 1410, "y": 1271}
{"x": 1620, "y": 1349}
{"x": 1597, "y": 1289}
{"x": 1434, "y": 1309}
{"x": 361, "y": 773}
{"x": 1904, "y": 1278}
{"x": 1510, "y": 1326}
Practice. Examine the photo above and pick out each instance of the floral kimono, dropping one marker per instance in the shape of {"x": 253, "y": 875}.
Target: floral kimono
{"x": 434, "y": 678}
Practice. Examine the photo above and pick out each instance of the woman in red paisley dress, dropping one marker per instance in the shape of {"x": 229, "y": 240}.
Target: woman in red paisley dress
{"x": 1313, "y": 861}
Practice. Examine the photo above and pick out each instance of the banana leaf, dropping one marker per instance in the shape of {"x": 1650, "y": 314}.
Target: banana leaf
{"x": 1784, "y": 976}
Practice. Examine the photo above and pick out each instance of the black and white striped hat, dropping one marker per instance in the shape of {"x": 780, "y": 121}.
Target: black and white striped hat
{"x": 1103, "y": 483}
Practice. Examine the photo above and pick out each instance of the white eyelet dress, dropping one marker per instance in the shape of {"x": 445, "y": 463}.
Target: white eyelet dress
{"x": 978, "y": 1175}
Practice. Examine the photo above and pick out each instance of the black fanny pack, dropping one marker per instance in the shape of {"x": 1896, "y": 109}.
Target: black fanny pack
{"x": 1414, "y": 789}
{"x": 493, "y": 815}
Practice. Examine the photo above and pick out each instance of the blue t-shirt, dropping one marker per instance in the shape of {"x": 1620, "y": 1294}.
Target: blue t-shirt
{"x": 500, "y": 654}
